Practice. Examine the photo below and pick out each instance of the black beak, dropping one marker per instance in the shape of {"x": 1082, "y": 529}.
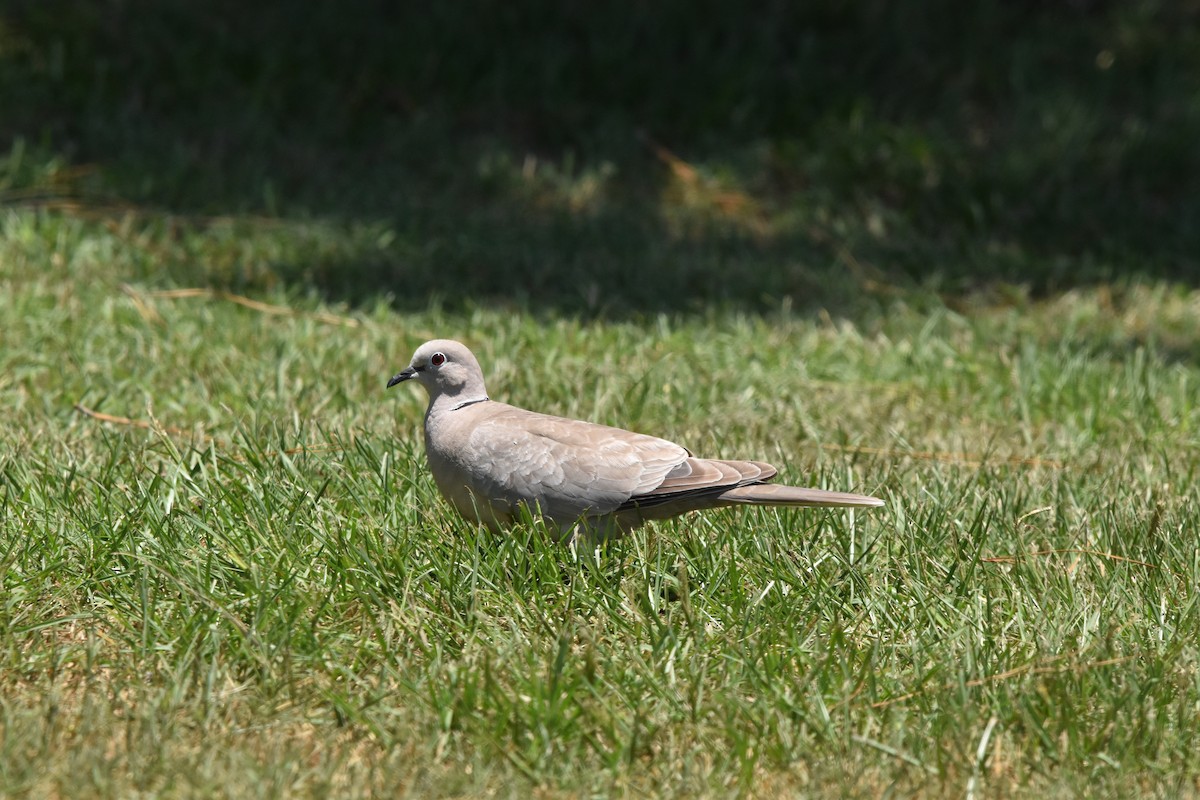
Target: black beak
{"x": 402, "y": 376}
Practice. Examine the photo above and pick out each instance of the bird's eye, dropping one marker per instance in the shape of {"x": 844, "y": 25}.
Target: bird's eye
{"x": 437, "y": 359}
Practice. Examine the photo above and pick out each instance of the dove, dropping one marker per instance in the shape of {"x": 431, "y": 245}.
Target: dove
{"x": 496, "y": 463}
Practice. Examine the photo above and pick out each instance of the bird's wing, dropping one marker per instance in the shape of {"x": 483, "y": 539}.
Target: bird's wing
{"x": 568, "y": 468}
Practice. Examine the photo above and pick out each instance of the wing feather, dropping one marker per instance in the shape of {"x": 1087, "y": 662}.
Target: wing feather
{"x": 697, "y": 478}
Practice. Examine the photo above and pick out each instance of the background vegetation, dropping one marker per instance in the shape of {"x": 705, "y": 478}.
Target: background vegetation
{"x": 943, "y": 252}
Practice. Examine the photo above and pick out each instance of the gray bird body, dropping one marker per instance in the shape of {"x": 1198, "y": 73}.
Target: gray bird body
{"x": 494, "y": 462}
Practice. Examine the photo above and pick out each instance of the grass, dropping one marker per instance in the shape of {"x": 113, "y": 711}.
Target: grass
{"x": 257, "y": 592}
{"x": 225, "y": 571}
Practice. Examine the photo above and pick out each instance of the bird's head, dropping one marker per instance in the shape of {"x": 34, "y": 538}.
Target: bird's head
{"x": 444, "y": 367}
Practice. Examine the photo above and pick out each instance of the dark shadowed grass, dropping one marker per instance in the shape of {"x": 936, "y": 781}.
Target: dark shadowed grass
{"x": 613, "y": 161}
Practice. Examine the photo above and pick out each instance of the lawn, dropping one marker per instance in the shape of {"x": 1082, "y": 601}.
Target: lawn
{"x": 225, "y": 570}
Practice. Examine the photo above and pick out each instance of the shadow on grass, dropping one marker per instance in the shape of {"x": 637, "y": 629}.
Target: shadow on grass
{"x": 611, "y": 160}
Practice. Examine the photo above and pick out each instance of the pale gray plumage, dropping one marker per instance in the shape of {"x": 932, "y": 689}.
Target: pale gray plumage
{"x": 490, "y": 460}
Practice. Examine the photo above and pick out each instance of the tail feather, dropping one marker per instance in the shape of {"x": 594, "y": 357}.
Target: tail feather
{"x": 770, "y": 494}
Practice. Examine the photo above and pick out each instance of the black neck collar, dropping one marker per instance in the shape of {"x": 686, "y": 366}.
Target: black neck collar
{"x": 469, "y": 403}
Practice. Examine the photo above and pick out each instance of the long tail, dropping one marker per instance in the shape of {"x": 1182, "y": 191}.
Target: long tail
{"x": 770, "y": 494}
